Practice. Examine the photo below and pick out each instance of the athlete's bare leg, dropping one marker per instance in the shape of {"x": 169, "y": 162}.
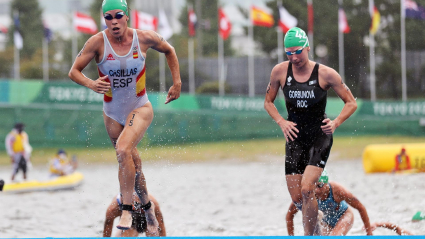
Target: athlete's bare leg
{"x": 125, "y": 139}
{"x": 132, "y": 232}
{"x": 293, "y": 183}
{"x": 141, "y": 190}
{"x": 310, "y": 207}
{"x": 344, "y": 224}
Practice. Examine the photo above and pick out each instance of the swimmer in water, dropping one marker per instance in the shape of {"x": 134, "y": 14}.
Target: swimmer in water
{"x": 138, "y": 224}
{"x": 334, "y": 202}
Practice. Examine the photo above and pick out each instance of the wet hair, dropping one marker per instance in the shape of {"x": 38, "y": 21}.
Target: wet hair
{"x": 19, "y": 126}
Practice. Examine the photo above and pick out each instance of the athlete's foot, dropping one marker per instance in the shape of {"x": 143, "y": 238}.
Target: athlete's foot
{"x": 125, "y": 221}
{"x": 152, "y": 228}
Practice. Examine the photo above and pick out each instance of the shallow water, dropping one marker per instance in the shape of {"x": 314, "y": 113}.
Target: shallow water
{"x": 222, "y": 198}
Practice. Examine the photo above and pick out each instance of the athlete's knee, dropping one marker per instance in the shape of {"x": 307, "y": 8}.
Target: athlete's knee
{"x": 123, "y": 153}
{"x": 307, "y": 192}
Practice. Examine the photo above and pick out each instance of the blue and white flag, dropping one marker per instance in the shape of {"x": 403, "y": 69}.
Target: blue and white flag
{"x": 17, "y": 36}
{"x": 414, "y": 10}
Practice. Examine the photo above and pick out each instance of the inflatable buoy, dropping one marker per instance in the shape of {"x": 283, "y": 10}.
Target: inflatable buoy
{"x": 382, "y": 157}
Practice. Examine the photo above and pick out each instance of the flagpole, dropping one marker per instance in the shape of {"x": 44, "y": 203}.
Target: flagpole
{"x": 162, "y": 84}
{"x": 74, "y": 41}
{"x": 310, "y": 27}
{"x": 220, "y": 58}
{"x": 17, "y": 67}
{"x": 45, "y": 60}
{"x": 220, "y": 65}
{"x": 191, "y": 67}
{"x": 279, "y": 38}
{"x": 251, "y": 83}
{"x": 372, "y": 58}
{"x": 341, "y": 48}
{"x": 403, "y": 52}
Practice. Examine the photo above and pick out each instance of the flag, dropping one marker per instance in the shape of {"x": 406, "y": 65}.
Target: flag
{"x": 310, "y": 17}
{"x": 3, "y": 29}
{"x": 192, "y": 21}
{"x": 144, "y": 21}
{"x": 414, "y": 10}
{"x": 47, "y": 32}
{"x": 342, "y": 21}
{"x": 376, "y": 18}
{"x": 286, "y": 21}
{"x": 164, "y": 27}
{"x": 224, "y": 25}
{"x": 261, "y": 18}
{"x": 84, "y": 23}
{"x": 102, "y": 21}
{"x": 17, "y": 36}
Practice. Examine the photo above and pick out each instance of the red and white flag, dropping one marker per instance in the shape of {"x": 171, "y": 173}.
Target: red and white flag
{"x": 286, "y": 21}
{"x": 192, "y": 20}
{"x": 342, "y": 21}
{"x": 224, "y": 25}
{"x": 84, "y": 23}
{"x": 144, "y": 21}
{"x": 3, "y": 29}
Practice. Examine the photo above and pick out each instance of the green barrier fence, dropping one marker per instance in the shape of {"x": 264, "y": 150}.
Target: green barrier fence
{"x": 68, "y": 115}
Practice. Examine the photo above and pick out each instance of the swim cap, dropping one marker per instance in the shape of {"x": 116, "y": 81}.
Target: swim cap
{"x": 324, "y": 178}
{"x": 109, "y": 5}
{"x": 61, "y": 151}
{"x": 295, "y": 37}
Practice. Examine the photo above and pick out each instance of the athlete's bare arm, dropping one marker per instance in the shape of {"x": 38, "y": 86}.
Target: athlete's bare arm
{"x": 90, "y": 50}
{"x": 159, "y": 218}
{"x": 340, "y": 193}
{"x": 112, "y": 212}
{"x": 400, "y": 231}
{"x": 278, "y": 78}
{"x": 333, "y": 80}
{"x": 151, "y": 39}
{"x": 290, "y": 218}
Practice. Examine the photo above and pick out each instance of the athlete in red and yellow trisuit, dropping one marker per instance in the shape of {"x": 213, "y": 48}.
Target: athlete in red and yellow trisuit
{"x": 120, "y": 54}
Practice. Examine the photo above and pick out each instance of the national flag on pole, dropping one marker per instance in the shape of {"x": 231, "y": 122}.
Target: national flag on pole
{"x": 286, "y": 21}
{"x": 17, "y": 36}
{"x": 192, "y": 22}
{"x": 376, "y": 18}
{"x": 47, "y": 32}
{"x": 224, "y": 25}
{"x": 164, "y": 28}
{"x": 414, "y": 10}
{"x": 84, "y": 23}
{"x": 310, "y": 16}
{"x": 261, "y": 18}
{"x": 3, "y": 29}
{"x": 144, "y": 21}
{"x": 342, "y": 21}
{"x": 102, "y": 21}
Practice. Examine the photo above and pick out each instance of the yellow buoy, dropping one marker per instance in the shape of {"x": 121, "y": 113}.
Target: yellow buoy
{"x": 379, "y": 158}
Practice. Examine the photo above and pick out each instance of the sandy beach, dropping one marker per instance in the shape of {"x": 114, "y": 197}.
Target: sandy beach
{"x": 215, "y": 198}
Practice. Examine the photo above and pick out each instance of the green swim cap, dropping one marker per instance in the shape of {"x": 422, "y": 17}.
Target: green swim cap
{"x": 324, "y": 178}
{"x": 109, "y": 5}
{"x": 295, "y": 37}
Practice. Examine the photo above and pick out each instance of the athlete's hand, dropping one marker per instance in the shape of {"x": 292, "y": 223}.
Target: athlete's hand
{"x": 329, "y": 127}
{"x": 173, "y": 93}
{"x": 372, "y": 227}
{"x": 288, "y": 129}
{"x": 100, "y": 85}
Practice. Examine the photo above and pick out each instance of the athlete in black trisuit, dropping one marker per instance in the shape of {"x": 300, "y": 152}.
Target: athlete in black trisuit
{"x": 308, "y": 131}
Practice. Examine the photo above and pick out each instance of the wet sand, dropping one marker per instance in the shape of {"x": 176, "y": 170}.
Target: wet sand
{"x": 217, "y": 198}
